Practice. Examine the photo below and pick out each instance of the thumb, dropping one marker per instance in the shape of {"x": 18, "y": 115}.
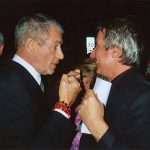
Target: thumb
{"x": 71, "y": 79}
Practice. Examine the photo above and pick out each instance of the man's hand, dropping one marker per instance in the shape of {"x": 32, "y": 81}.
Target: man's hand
{"x": 91, "y": 112}
{"x": 69, "y": 87}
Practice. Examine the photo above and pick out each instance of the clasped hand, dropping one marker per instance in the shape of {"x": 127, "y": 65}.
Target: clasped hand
{"x": 69, "y": 87}
{"x": 91, "y": 112}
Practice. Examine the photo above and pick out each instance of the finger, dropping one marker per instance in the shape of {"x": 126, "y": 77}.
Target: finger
{"x": 64, "y": 77}
{"x": 74, "y": 73}
{"x": 77, "y": 76}
{"x": 64, "y": 80}
{"x": 77, "y": 70}
{"x": 73, "y": 79}
{"x": 89, "y": 92}
{"x": 70, "y": 73}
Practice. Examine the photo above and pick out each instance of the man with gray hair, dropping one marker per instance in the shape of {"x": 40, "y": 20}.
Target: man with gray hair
{"x": 25, "y": 121}
{"x": 1, "y": 43}
{"x": 124, "y": 122}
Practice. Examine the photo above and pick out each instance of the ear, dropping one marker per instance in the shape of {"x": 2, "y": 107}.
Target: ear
{"x": 116, "y": 52}
{"x": 29, "y": 45}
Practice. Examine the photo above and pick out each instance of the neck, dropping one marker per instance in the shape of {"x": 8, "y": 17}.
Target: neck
{"x": 119, "y": 70}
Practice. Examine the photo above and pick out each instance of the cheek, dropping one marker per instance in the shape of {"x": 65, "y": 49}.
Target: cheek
{"x": 101, "y": 56}
{"x": 98, "y": 53}
{"x": 51, "y": 54}
{"x": 48, "y": 57}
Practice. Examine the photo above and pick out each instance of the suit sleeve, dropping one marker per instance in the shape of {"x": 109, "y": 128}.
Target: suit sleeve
{"x": 19, "y": 128}
{"x": 54, "y": 133}
{"x": 135, "y": 127}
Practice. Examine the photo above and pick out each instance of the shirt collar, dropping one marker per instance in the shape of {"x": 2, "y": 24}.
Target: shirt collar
{"x": 123, "y": 74}
{"x": 30, "y": 69}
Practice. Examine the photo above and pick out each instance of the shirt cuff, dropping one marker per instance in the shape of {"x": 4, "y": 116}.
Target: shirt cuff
{"x": 62, "y": 112}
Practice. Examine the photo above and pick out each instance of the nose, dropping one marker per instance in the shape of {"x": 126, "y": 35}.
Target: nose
{"x": 92, "y": 54}
{"x": 60, "y": 54}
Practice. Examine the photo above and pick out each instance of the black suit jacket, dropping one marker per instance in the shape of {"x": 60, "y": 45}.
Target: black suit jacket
{"x": 127, "y": 114}
{"x": 25, "y": 121}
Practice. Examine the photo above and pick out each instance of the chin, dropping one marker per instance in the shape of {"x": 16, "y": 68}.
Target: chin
{"x": 50, "y": 72}
{"x": 98, "y": 73}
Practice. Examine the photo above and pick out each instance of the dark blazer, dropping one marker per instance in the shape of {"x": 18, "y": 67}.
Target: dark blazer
{"x": 25, "y": 121}
{"x": 127, "y": 114}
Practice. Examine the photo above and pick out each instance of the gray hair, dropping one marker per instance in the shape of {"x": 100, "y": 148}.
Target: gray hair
{"x": 1, "y": 39}
{"x": 122, "y": 33}
{"x": 36, "y": 26}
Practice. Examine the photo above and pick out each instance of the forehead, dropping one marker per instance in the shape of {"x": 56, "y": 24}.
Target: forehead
{"x": 55, "y": 34}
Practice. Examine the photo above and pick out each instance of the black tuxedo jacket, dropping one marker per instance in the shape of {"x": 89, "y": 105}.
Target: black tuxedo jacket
{"x": 127, "y": 114}
{"x": 25, "y": 121}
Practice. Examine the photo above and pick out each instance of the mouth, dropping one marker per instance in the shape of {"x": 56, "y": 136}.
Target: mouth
{"x": 56, "y": 62}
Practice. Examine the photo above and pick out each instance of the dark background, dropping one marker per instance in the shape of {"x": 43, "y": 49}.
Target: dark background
{"x": 79, "y": 19}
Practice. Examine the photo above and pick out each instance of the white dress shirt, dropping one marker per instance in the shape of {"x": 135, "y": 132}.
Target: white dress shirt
{"x": 29, "y": 68}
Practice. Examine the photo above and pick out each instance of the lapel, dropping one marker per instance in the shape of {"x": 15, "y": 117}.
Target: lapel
{"x": 35, "y": 95}
{"x": 122, "y": 96}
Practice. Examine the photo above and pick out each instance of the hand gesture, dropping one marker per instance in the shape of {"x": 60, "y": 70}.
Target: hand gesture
{"x": 69, "y": 87}
{"x": 91, "y": 112}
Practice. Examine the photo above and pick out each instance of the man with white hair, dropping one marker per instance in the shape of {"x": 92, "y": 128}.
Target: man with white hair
{"x": 25, "y": 121}
{"x": 124, "y": 122}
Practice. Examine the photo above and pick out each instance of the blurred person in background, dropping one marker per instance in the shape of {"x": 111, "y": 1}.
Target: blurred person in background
{"x": 88, "y": 75}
